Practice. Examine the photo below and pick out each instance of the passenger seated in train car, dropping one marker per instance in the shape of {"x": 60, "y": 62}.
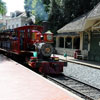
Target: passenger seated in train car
{"x": 14, "y": 37}
{"x": 7, "y": 43}
{"x": 21, "y": 42}
{"x": 22, "y": 33}
{"x": 36, "y": 36}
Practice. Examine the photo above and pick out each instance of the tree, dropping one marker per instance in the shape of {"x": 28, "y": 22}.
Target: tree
{"x": 46, "y": 5}
{"x": 94, "y": 3}
{"x": 3, "y": 9}
{"x": 54, "y": 15}
{"x": 36, "y": 8}
{"x": 28, "y": 7}
{"x": 39, "y": 11}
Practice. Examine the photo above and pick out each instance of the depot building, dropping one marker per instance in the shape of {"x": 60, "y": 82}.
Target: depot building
{"x": 87, "y": 28}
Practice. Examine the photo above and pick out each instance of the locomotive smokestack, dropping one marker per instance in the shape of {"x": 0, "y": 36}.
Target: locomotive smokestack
{"x": 45, "y": 26}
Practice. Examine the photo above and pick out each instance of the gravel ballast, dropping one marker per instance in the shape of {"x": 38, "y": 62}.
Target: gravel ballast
{"x": 83, "y": 73}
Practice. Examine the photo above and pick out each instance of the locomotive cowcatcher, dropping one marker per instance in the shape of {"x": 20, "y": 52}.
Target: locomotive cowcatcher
{"x": 32, "y": 45}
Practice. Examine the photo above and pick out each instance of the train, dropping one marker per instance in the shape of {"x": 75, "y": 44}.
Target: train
{"x": 33, "y": 46}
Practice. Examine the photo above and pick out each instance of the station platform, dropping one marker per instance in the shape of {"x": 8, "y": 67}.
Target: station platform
{"x": 81, "y": 62}
{"x": 20, "y": 83}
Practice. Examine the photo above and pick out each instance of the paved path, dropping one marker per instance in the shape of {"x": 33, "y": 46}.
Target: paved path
{"x": 20, "y": 83}
{"x": 82, "y": 62}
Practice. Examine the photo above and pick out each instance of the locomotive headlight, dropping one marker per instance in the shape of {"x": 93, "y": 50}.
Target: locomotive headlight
{"x": 49, "y": 37}
{"x": 47, "y": 50}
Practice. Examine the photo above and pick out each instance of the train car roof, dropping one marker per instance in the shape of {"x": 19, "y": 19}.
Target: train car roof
{"x": 34, "y": 27}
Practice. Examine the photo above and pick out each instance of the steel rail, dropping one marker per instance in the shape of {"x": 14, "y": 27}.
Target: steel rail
{"x": 86, "y": 96}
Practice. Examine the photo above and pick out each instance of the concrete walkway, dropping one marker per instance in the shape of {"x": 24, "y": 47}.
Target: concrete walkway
{"x": 82, "y": 62}
{"x": 19, "y": 83}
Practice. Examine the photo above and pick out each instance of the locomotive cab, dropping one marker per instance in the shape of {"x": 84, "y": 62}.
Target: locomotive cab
{"x": 36, "y": 36}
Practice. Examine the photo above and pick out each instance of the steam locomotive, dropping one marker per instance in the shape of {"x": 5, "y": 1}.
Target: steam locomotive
{"x": 32, "y": 45}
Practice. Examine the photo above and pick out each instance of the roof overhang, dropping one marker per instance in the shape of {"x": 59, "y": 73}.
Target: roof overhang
{"x": 70, "y": 34}
{"x": 94, "y": 18}
{"x": 75, "y": 30}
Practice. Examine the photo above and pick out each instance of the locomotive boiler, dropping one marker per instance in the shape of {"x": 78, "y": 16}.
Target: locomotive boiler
{"x": 32, "y": 45}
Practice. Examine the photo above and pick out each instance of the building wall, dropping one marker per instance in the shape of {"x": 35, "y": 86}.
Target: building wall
{"x": 61, "y": 45}
{"x": 94, "y": 53}
{"x": 70, "y": 52}
{"x": 13, "y": 23}
{"x": 24, "y": 21}
{"x": 5, "y": 18}
{"x": 3, "y": 22}
{"x": 91, "y": 45}
{"x": 16, "y": 22}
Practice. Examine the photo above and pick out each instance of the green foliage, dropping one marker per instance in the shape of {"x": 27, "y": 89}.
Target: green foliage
{"x": 3, "y": 9}
{"x": 28, "y": 7}
{"x": 37, "y": 8}
{"x": 46, "y": 5}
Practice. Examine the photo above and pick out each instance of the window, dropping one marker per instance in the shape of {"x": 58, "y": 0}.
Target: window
{"x": 61, "y": 42}
{"x": 29, "y": 33}
{"x": 33, "y": 36}
{"x": 12, "y": 26}
{"x": 17, "y": 25}
{"x": 22, "y": 33}
{"x": 54, "y": 43}
{"x": 68, "y": 42}
{"x": 76, "y": 43}
{"x": 9, "y": 27}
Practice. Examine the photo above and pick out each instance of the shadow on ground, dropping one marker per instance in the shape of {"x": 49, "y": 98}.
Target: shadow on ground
{"x": 3, "y": 58}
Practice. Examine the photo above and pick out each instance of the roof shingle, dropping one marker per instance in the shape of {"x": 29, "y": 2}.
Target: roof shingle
{"x": 76, "y": 24}
{"x": 95, "y": 12}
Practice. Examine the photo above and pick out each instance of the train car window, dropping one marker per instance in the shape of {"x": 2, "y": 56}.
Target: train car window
{"x": 16, "y": 35}
{"x": 28, "y": 33}
{"x": 33, "y": 36}
{"x": 22, "y": 39}
{"x": 38, "y": 36}
{"x": 22, "y": 33}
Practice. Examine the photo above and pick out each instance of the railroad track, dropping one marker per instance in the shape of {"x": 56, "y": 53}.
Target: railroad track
{"x": 82, "y": 89}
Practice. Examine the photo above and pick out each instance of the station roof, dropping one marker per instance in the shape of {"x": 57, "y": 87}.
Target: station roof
{"x": 75, "y": 25}
{"x": 95, "y": 13}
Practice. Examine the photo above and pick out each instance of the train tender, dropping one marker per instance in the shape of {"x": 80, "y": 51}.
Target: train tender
{"x": 30, "y": 44}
